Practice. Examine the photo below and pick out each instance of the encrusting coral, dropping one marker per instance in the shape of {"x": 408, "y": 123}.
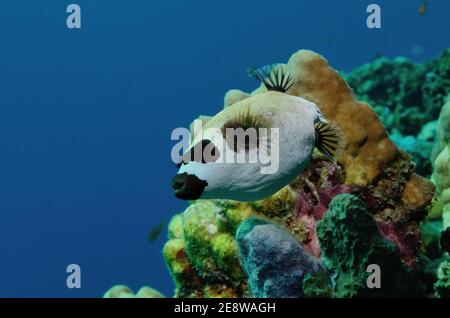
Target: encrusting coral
{"x": 441, "y": 165}
{"x": 122, "y": 291}
{"x": 439, "y": 215}
{"x": 351, "y": 242}
{"x": 202, "y": 252}
{"x": 273, "y": 259}
{"x": 442, "y": 285}
{"x": 408, "y": 97}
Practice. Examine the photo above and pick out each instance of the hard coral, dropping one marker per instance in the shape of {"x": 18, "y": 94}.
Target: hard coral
{"x": 441, "y": 165}
{"x": 371, "y": 161}
{"x": 351, "y": 242}
{"x": 273, "y": 259}
{"x": 202, "y": 251}
{"x": 406, "y": 95}
{"x": 442, "y": 285}
{"x": 203, "y": 257}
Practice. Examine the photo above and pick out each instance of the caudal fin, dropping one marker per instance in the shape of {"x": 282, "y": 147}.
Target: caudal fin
{"x": 329, "y": 139}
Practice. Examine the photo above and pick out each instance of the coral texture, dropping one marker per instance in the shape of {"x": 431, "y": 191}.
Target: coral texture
{"x": 122, "y": 291}
{"x": 405, "y": 95}
{"x": 442, "y": 285}
{"x": 273, "y": 259}
{"x": 202, "y": 254}
{"x": 385, "y": 176}
{"x": 408, "y": 97}
{"x": 441, "y": 168}
{"x": 351, "y": 242}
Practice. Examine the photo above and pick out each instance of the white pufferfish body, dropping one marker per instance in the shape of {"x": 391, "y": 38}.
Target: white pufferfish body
{"x": 293, "y": 116}
{"x": 296, "y": 134}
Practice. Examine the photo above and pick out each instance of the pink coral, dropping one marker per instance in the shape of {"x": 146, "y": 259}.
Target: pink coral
{"x": 405, "y": 236}
{"x": 318, "y": 185}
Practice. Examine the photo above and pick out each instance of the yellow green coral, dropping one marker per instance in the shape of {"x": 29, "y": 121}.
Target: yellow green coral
{"x": 205, "y": 249}
{"x": 441, "y": 169}
{"x": 122, "y": 291}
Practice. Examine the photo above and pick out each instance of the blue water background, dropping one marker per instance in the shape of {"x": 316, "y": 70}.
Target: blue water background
{"x": 86, "y": 115}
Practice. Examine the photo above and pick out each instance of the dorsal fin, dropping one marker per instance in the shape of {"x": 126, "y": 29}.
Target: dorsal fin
{"x": 275, "y": 77}
{"x": 329, "y": 139}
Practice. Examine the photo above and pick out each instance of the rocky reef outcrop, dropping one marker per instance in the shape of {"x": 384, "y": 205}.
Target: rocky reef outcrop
{"x": 274, "y": 261}
{"x": 441, "y": 167}
{"x": 442, "y": 285}
{"x": 378, "y": 214}
{"x": 408, "y": 98}
{"x": 438, "y": 239}
{"x": 351, "y": 242}
{"x": 406, "y": 95}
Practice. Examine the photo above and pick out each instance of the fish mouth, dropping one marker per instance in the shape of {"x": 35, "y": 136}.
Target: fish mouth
{"x": 188, "y": 186}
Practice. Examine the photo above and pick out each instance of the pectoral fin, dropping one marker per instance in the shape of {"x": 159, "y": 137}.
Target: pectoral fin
{"x": 329, "y": 139}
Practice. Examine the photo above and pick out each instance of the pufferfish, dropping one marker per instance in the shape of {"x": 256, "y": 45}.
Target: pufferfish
{"x": 298, "y": 125}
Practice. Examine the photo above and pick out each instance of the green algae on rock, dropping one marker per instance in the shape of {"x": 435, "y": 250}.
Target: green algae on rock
{"x": 406, "y": 95}
{"x": 202, "y": 254}
{"x": 408, "y": 98}
{"x": 442, "y": 285}
{"x": 441, "y": 168}
{"x": 350, "y": 242}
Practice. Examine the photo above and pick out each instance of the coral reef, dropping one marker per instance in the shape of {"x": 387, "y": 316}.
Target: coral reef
{"x": 202, "y": 251}
{"x": 442, "y": 130}
{"x": 408, "y": 97}
{"x": 122, "y": 291}
{"x": 441, "y": 168}
{"x": 350, "y": 242}
{"x": 442, "y": 285}
{"x": 273, "y": 259}
{"x": 380, "y": 174}
{"x": 202, "y": 254}
{"x": 419, "y": 147}
{"x": 405, "y": 95}
{"x": 438, "y": 241}
{"x": 335, "y": 219}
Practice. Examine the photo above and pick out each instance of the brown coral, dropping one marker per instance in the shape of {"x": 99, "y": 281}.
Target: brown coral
{"x": 380, "y": 173}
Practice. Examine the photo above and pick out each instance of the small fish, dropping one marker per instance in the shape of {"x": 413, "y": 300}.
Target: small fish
{"x": 423, "y": 8}
{"x": 155, "y": 232}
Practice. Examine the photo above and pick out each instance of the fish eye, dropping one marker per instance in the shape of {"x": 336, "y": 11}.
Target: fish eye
{"x": 203, "y": 152}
